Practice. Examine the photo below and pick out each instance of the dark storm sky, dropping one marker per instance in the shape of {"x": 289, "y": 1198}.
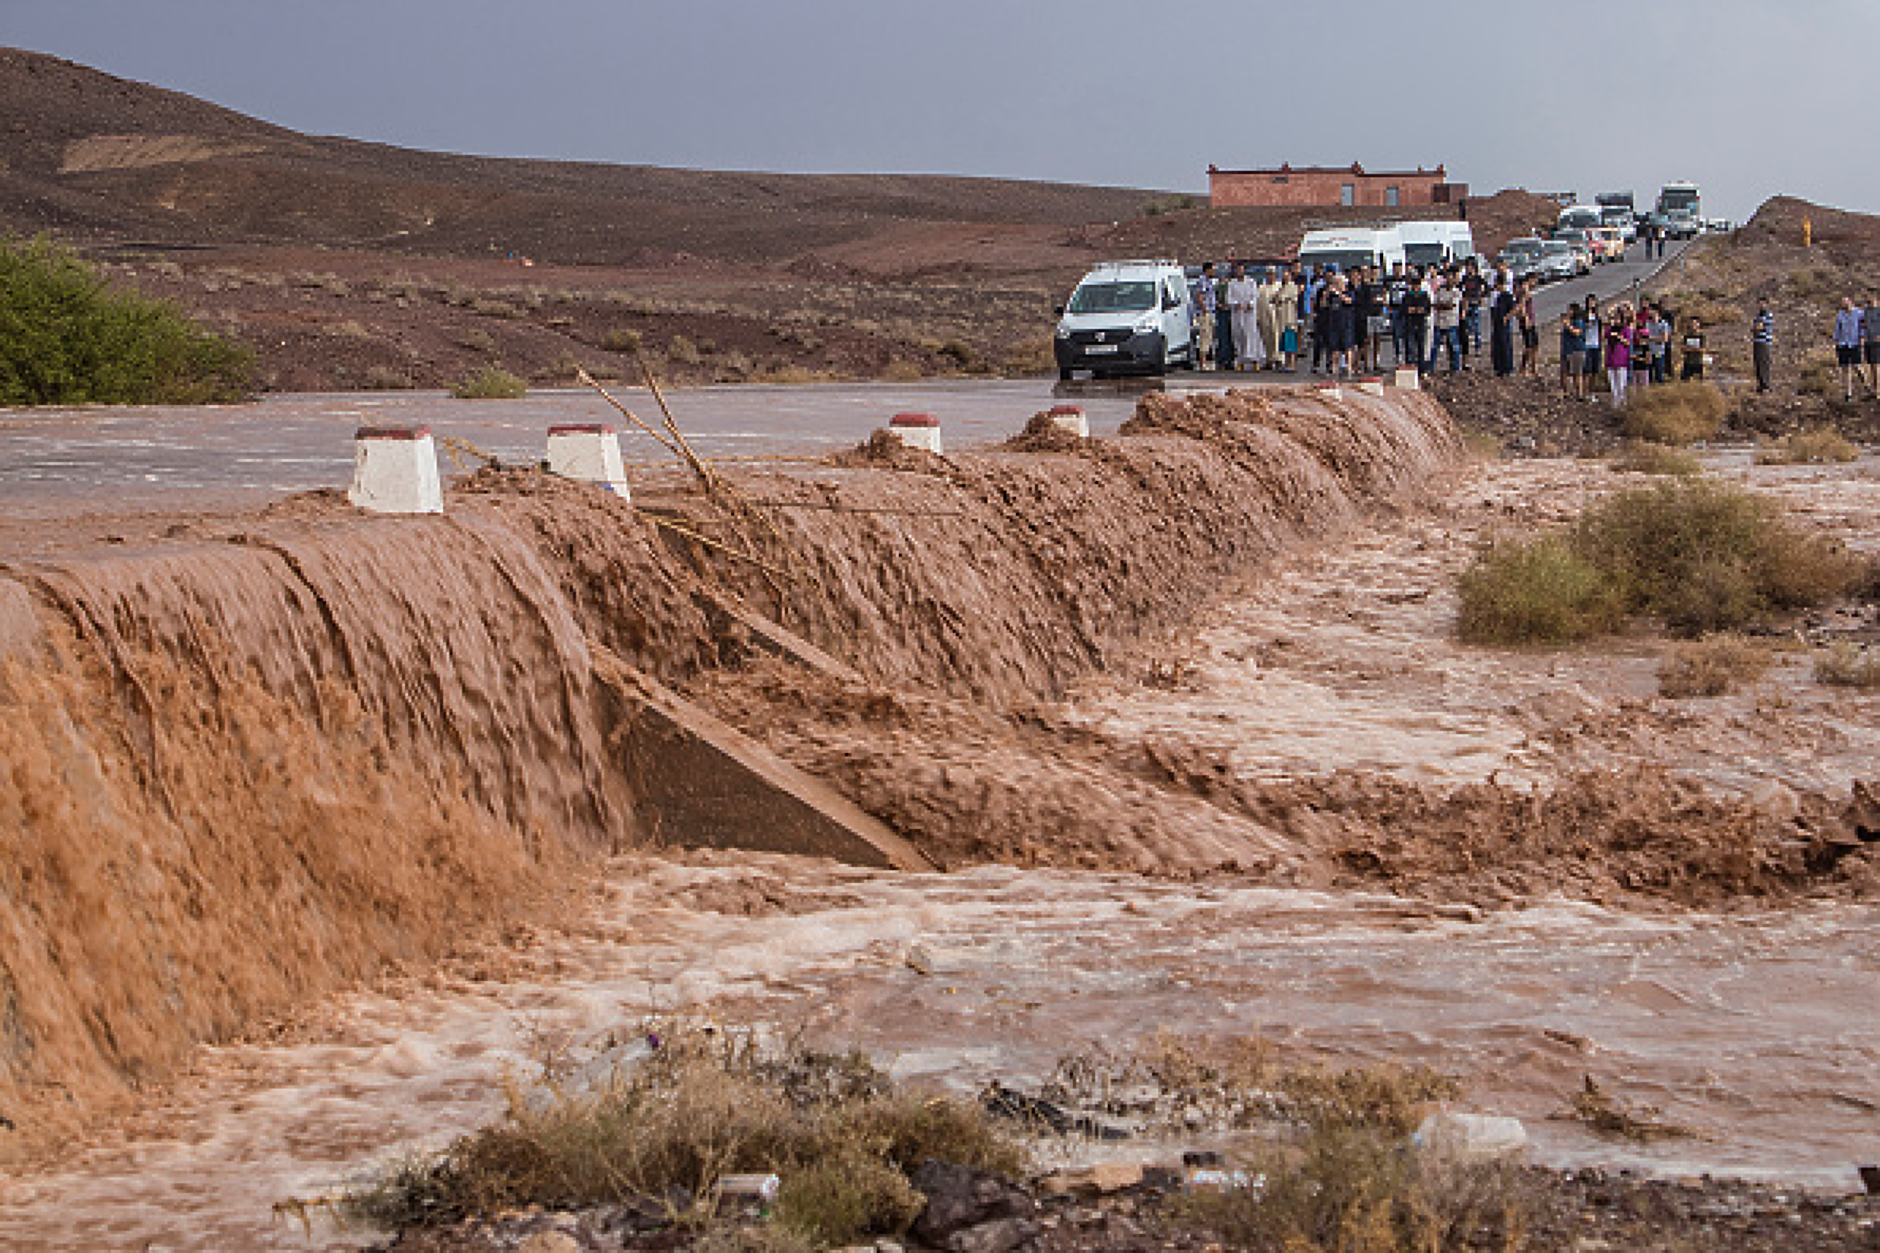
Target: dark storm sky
{"x": 1748, "y": 97}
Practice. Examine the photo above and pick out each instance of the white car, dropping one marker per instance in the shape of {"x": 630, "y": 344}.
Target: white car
{"x": 1126, "y": 317}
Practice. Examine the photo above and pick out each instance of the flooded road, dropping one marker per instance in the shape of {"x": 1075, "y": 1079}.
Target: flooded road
{"x": 56, "y": 462}
{"x": 1749, "y": 1029}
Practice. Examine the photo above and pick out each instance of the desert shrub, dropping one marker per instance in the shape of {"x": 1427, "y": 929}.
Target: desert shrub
{"x": 622, "y": 339}
{"x": 476, "y": 339}
{"x": 1848, "y": 665}
{"x": 682, "y": 350}
{"x": 1707, "y": 557}
{"x": 1645, "y": 457}
{"x": 384, "y": 378}
{"x": 699, "y": 1105}
{"x": 1357, "y": 1190}
{"x": 1677, "y": 413}
{"x": 486, "y": 307}
{"x": 1820, "y": 373}
{"x": 1711, "y": 666}
{"x": 901, "y": 370}
{"x": 67, "y": 338}
{"x": 490, "y": 383}
{"x": 1533, "y": 591}
{"x": 1821, "y": 446}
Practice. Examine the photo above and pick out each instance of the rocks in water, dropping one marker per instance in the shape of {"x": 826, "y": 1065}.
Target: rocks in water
{"x": 972, "y": 1211}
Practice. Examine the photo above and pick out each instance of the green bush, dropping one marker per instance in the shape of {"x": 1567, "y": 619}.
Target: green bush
{"x": 67, "y": 338}
{"x": 491, "y": 383}
{"x": 1676, "y": 413}
{"x": 1708, "y": 557}
{"x": 1700, "y": 556}
{"x": 1533, "y": 591}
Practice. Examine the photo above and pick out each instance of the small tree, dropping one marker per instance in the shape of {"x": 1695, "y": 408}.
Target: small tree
{"x": 67, "y": 338}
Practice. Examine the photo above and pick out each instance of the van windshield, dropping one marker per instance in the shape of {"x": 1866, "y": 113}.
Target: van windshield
{"x": 1344, "y": 259}
{"x": 1113, "y": 297}
{"x": 1424, "y": 254}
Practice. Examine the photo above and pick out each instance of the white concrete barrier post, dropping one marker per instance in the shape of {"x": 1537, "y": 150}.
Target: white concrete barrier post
{"x": 1071, "y": 418}
{"x": 589, "y": 452}
{"x": 395, "y": 470}
{"x": 917, "y": 430}
{"x": 1408, "y": 379}
{"x": 1372, "y": 386}
{"x": 1330, "y": 391}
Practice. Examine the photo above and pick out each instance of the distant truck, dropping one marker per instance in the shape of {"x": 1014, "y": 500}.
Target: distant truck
{"x": 1348, "y": 247}
{"x": 1436, "y": 243}
{"x": 1678, "y": 211}
{"x": 1617, "y": 208}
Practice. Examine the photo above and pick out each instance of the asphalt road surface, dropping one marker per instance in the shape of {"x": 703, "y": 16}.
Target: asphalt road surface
{"x": 1615, "y": 280}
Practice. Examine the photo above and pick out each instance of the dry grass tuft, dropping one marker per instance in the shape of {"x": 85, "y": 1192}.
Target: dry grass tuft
{"x": 1676, "y": 413}
{"x": 1711, "y": 666}
{"x": 1645, "y": 457}
{"x": 1533, "y": 591}
{"x": 1821, "y": 446}
{"x": 682, "y": 1108}
{"x": 1846, "y": 664}
{"x": 490, "y": 383}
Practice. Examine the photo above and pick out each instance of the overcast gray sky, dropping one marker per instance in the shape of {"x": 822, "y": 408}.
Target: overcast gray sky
{"x": 1747, "y": 97}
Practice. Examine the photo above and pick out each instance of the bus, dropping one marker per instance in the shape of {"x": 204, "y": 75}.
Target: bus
{"x": 1678, "y": 211}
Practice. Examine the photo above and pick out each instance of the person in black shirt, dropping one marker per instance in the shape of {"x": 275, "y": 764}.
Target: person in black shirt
{"x": 1416, "y": 320}
{"x": 1501, "y": 334}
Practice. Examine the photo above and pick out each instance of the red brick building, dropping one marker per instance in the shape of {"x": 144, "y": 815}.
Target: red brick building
{"x": 1322, "y": 186}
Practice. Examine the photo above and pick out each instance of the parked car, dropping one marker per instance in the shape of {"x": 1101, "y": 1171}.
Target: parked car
{"x": 1521, "y": 256}
{"x": 1126, "y": 316}
{"x": 1583, "y": 241}
{"x": 1557, "y": 261}
{"x": 1612, "y": 239}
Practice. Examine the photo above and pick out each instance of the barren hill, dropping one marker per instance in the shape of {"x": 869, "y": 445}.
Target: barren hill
{"x": 95, "y": 156}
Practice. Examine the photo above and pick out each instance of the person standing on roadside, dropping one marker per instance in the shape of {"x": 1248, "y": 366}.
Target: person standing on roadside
{"x": 1204, "y": 303}
{"x": 1693, "y": 352}
{"x": 1529, "y": 328}
{"x": 1619, "y": 354}
{"x": 1321, "y": 325}
{"x": 1416, "y": 321}
{"x": 1447, "y": 322}
{"x": 1659, "y": 336}
{"x": 1573, "y": 353}
{"x": 1286, "y": 305}
{"x": 1340, "y": 326}
{"x": 1223, "y": 327}
{"x": 1474, "y": 294}
{"x": 1241, "y": 294}
{"x": 1394, "y": 291}
{"x": 1501, "y": 327}
{"x": 1266, "y": 317}
{"x": 1762, "y": 343}
{"x": 1872, "y": 349}
{"x": 1850, "y": 339}
{"x": 1595, "y": 343}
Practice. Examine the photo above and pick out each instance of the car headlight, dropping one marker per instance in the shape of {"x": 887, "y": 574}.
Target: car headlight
{"x": 1063, "y": 331}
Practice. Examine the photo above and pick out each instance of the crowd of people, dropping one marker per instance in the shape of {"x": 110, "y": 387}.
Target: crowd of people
{"x": 1339, "y": 322}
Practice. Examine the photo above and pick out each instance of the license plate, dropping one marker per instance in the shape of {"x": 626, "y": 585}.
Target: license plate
{"x": 1094, "y": 349}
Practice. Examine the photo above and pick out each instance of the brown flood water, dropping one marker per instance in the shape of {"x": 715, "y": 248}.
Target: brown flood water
{"x": 1756, "y": 1029}
{"x": 1746, "y": 1028}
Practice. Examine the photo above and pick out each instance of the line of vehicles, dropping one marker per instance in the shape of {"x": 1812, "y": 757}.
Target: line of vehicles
{"x": 1135, "y": 316}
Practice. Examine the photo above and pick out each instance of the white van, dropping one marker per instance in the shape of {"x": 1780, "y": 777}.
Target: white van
{"x": 1436, "y": 243}
{"x": 1126, "y": 316}
{"x": 1580, "y": 217}
{"x": 1350, "y": 246}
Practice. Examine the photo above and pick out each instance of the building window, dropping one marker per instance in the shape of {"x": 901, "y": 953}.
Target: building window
{"x": 1390, "y": 197}
{"x": 1348, "y": 194}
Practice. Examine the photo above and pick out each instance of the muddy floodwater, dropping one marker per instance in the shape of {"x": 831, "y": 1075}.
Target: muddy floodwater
{"x": 1752, "y": 1025}
{"x": 1747, "y": 1029}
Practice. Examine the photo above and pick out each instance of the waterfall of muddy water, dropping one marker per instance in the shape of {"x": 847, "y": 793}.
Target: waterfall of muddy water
{"x": 250, "y": 760}
{"x": 1738, "y": 1026}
